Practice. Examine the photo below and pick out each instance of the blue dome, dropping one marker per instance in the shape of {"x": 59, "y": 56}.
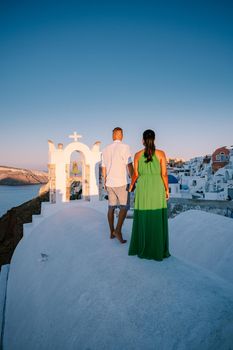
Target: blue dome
{"x": 172, "y": 179}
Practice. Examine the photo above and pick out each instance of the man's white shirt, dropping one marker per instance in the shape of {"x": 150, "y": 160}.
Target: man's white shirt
{"x": 115, "y": 158}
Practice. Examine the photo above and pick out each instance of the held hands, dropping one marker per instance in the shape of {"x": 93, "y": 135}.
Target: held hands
{"x": 131, "y": 188}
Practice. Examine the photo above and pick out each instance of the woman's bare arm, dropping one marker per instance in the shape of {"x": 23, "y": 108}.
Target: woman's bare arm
{"x": 163, "y": 163}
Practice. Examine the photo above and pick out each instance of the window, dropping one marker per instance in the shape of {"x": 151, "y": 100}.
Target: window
{"x": 222, "y": 156}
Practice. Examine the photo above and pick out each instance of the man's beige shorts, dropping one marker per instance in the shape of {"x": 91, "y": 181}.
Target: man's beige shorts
{"x": 118, "y": 197}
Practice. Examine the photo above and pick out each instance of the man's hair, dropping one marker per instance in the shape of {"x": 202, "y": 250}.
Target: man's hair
{"x": 117, "y": 129}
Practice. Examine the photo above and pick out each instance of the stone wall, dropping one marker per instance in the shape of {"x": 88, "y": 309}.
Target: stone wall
{"x": 178, "y": 205}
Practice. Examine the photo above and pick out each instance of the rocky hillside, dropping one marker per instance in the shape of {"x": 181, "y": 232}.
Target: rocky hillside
{"x": 15, "y": 176}
{"x": 11, "y": 225}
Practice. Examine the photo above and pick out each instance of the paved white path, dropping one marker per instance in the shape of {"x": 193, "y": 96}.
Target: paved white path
{"x": 88, "y": 294}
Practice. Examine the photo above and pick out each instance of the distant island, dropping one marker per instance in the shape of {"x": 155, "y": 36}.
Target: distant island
{"x": 10, "y": 176}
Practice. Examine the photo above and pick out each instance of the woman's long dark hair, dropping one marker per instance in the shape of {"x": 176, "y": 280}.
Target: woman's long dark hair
{"x": 149, "y": 143}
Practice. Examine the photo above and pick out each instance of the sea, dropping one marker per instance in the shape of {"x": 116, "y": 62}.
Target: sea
{"x": 12, "y": 196}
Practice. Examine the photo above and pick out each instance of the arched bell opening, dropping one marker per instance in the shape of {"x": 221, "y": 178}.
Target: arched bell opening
{"x": 77, "y": 175}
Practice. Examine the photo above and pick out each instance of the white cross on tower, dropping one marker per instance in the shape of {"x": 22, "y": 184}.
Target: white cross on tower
{"x": 75, "y": 136}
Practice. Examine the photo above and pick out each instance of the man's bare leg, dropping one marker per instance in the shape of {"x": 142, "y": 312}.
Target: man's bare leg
{"x": 121, "y": 218}
{"x": 111, "y": 221}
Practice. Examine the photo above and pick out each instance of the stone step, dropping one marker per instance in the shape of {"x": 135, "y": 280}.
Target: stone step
{"x": 48, "y": 208}
{"x": 27, "y": 228}
{"x": 37, "y": 219}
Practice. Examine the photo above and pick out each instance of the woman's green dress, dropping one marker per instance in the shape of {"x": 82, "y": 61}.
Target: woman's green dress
{"x": 149, "y": 238}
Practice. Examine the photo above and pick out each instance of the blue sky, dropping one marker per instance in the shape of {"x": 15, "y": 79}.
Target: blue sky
{"x": 93, "y": 65}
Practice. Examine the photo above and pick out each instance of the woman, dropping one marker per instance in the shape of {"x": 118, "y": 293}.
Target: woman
{"x": 149, "y": 238}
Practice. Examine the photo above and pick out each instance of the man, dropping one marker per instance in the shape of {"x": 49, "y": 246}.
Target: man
{"x": 116, "y": 165}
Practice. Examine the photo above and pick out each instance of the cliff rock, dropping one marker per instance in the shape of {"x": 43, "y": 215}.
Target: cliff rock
{"x": 16, "y": 176}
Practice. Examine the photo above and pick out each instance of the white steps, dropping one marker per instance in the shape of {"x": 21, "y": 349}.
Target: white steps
{"x": 48, "y": 209}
